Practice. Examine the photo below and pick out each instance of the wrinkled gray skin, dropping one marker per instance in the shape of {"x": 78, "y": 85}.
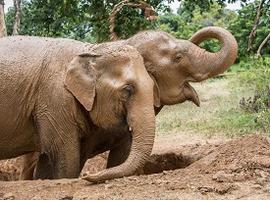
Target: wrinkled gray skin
{"x": 56, "y": 93}
{"x": 172, "y": 63}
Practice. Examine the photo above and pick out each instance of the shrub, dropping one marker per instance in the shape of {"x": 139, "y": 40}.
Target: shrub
{"x": 257, "y": 77}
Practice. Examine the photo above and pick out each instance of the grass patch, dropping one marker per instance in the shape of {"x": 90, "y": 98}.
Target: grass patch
{"x": 220, "y": 112}
{"x": 233, "y": 122}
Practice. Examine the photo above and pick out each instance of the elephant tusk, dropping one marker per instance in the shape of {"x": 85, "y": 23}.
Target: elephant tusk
{"x": 129, "y": 129}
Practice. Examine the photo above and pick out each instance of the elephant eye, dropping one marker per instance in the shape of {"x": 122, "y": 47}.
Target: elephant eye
{"x": 178, "y": 57}
{"x": 127, "y": 91}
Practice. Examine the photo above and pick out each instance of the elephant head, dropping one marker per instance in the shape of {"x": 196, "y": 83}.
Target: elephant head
{"x": 173, "y": 63}
{"x": 114, "y": 87}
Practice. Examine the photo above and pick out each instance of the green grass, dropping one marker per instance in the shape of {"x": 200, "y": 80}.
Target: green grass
{"x": 219, "y": 114}
{"x": 233, "y": 122}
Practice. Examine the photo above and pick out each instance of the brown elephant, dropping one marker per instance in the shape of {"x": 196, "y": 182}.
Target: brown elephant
{"x": 57, "y": 92}
{"x": 171, "y": 63}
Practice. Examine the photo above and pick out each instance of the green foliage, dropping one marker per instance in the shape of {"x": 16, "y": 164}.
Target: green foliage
{"x": 186, "y": 22}
{"x": 232, "y": 122}
{"x": 258, "y": 78}
{"x": 242, "y": 25}
{"x": 83, "y": 20}
{"x": 128, "y": 21}
{"x": 53, "y": 18}
{"x": 258, "y": 73}
{"x": 255, "y": 76}
{"x": 188, "y": 6}
{"x": 89, "y": 20}
{"x": 194, "y": 15}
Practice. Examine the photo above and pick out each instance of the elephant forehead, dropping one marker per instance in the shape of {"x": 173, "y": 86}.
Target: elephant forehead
{"x": 183, "y": 45}
{"x": 121, "y": 72}
{"x": 118, "y": 51}
{"x": 126, "y": 51}
{"x": 121, "y": 65}
{"x": 167, "y": 44}
{"x": 116, "y": 59}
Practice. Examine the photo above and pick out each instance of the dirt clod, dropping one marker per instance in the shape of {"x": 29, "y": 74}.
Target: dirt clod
{"x": 67, "y": 198}
{"x": 205, "y": 189}
{"x": 237, "y": 160}
{"x": 8, "y": 196}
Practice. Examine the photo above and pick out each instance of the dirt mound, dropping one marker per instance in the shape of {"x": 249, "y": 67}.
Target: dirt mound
{"x": 237, "y": 160}
{"x": 238, "y": 169}
{"x": 10, "y": 169}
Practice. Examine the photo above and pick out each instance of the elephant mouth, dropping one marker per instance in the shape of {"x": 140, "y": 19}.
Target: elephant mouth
{"x": 176, "y": 96}
{"x": 185, "y": 92}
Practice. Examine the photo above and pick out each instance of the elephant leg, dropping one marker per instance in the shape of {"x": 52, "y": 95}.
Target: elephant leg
{"x": 44, "y": 167}
{"x": 29, "y": 162}
{"x": 60, "y": 149}
{"x": 120, "y": 152}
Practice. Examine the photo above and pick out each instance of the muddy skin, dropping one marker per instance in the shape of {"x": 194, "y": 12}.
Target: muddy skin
{"x": 56, "y": 92}
{"x": 171, "y": 63}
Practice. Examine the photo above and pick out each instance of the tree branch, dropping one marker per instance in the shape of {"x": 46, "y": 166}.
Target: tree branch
{"x": 255, "y": 24}
{"x": 3, "y": 29}
{"x": 17, "y": 22}
{"x": 149, "y": 14}
{"x": 258, "y": 54}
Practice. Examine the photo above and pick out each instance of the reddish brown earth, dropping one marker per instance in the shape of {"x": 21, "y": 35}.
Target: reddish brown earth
{"x": 215, "y": 169}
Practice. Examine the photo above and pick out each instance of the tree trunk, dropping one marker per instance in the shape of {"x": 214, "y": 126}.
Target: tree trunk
{"x": 3, "y": 30}
{"x": 254, "y": 29}
{"x": 262, "y": 44}
{"x": 17, "y": 22}
{"x": 149, "y": 14}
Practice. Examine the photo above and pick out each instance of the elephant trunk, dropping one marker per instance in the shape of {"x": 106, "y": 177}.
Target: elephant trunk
{"x": 211, "y": 64}
{"x": 141, "y": 121}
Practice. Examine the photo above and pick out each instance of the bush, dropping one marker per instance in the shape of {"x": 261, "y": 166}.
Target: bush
{"x": 257, "y": 77}
{"x": 257, "y": 74}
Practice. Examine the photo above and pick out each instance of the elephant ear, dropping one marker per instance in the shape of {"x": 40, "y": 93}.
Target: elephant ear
{"x": 81, "y": 79}
{"x": 156, "y": 92}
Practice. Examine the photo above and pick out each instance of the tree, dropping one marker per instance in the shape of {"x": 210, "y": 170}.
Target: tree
{"x": 17, "y": 22}
{"x": 184, "y": 24}
{"x": 128, "y": 21}
{"x": 83, "y": 20}
{"x": 260, "y": 48}
{"x": 256, "y": 22}
{"x": 149, "y": 13}
{"x": 3, "y": 31}
{"x": 242, "y": 25}
{"x": 58, "y": 18}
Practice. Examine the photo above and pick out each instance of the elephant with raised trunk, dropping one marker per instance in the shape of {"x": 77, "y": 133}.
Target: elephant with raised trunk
{"x": 172, "y": 64}
{"x": 57, "y": 92}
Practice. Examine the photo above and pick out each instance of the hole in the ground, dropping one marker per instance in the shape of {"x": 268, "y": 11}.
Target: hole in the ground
{"x": 156, "y": 164}
{"x": 168, "y": 161}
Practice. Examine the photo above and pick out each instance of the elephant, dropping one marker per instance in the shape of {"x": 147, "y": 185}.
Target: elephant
{"x": 57, "y": 92}
{"x": 172, "y": 63}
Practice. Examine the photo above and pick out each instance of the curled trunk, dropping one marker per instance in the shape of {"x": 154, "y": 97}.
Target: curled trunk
{"x": 211, "y": 64}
